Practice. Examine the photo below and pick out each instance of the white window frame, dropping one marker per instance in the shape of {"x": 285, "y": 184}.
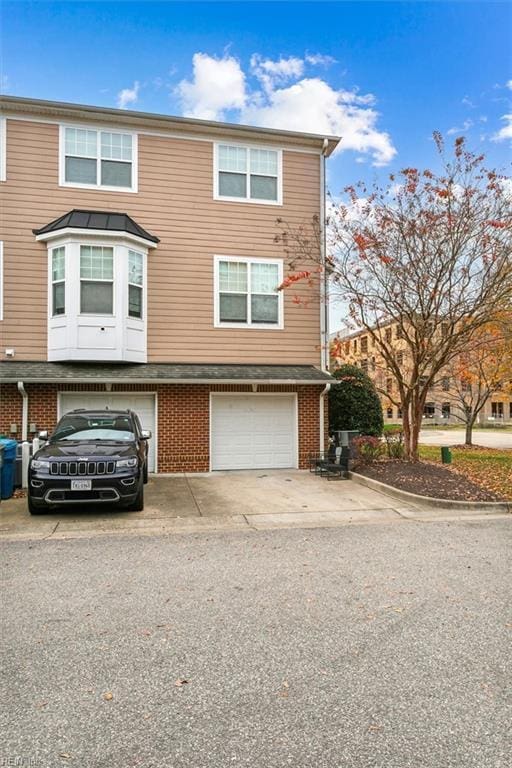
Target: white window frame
{"x": 248, "y": 199}
{"x": 279, "y": 326}
{"x": 135, "y": 285}
{"x": 99, "y": 129}
{"x": 112, "y": 281}
{"x": 57, "y": 282}
{"x": 3, "y": 149}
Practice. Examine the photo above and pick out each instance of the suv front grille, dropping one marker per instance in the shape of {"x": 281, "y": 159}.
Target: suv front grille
{"x": 82, "y": 467}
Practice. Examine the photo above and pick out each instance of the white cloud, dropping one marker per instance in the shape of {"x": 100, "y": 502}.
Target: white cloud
{"x": 508, "y": 85}
{"x": 128, "y": 96}
{"x": 318, "y": 59}
{"x": 272, "y": 73}
{"x": 466, "y": 125}
{"x": 506, "y": 131}
{"x": 312, "y": 105}
{"x": 217, "y": 85}
{"x": 283, "y": 98}
{"x": 467, "y": 102}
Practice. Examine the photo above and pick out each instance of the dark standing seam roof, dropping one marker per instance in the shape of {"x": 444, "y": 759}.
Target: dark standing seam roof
{"x": 104, "y": 220}
{"x": 13, "y": 370}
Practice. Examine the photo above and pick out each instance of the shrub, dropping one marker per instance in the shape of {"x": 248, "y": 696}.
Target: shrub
{"x": 394, "y": 443}
{"x": 354, "y": 402}
{"x": 368, "y": 448}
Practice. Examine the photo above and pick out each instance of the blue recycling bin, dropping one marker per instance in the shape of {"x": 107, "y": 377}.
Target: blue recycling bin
{"x": 7, "y": 472}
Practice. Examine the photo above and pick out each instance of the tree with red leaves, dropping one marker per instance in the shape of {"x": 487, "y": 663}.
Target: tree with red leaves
{"x": 429, "y": 255}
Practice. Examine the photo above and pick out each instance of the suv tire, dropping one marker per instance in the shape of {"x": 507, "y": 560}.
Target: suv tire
{"x": 33, "y": 510}
{"x": 138, "y": 504}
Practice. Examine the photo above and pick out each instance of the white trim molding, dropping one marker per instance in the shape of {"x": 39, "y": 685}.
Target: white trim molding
{"x": 98, "y": 129}
{"x": 248, "y": 173}
{"x": 218, "y": 323}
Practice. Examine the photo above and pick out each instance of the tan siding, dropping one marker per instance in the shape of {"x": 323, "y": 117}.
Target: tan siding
{"x": 175, "y": 202}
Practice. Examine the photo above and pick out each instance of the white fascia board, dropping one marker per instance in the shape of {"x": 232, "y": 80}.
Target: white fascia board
{"x": 69, "y": 232}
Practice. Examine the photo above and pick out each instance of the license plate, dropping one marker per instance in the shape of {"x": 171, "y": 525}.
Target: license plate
{"x": 81, "y": 485}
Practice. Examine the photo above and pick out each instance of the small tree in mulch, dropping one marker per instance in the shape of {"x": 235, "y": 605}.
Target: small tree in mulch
{"x": 354, "y": 402}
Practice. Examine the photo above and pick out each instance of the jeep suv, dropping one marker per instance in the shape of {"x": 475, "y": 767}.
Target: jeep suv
{"x": 92, "y": 457}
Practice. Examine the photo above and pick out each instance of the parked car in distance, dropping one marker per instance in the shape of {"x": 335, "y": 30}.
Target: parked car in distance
{"x": 92, "y": 457}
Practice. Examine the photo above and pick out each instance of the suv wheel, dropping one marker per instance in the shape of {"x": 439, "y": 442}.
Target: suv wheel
{"x": 138, "y": 504}
{"x": 33, "y": 509}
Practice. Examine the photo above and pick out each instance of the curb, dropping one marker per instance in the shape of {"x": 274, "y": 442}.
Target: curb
{"x": 427, "y": 501}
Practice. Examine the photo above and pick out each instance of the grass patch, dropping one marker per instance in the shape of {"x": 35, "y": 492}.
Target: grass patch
{"x": 490, "y": 468}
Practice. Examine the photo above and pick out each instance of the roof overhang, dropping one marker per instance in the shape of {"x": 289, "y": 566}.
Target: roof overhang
{"x": 111, "y": 234}
{"x": 148, "y": 121}
{"x": 160, "y": 373}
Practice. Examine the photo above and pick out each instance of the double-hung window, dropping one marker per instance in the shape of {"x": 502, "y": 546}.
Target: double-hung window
{"x": 96, "y": 280}
{"x": 58, "y": 281}
{"x": 104, "y": 159}
{"x": 247, "y": 293}
{"x": 247, "y": 174}
{"x": 135, "y": 278}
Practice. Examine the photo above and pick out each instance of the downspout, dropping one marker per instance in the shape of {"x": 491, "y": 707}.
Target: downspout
{"x": 323, "y": 393}
{"x": 24, "y": 413}
{"x": 324, "y": 310}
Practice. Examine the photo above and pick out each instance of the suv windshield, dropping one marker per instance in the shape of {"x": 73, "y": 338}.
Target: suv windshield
{"x": 76, "y": 426}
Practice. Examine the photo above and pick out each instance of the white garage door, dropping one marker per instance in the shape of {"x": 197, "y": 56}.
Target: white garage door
{"x": 143, "y": 405}
{"x": 253, "y": 431}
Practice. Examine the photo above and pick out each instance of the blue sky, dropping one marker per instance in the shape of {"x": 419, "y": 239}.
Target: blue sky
{"x": 383, "y": 74}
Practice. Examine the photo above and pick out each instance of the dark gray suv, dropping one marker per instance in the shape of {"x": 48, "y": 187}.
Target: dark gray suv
{"x": 91, "y": 457}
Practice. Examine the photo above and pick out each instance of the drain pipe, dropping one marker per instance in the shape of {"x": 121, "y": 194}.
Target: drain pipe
{"x": 24, "y": 416}
{"x": 25, "y": 447}
{"x": 322, "y": 421}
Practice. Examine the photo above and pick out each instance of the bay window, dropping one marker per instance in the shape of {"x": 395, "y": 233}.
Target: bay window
{"x": 247, "y": 174}
{"x": 246, "y": 292}
{"x": 94, "y": 158}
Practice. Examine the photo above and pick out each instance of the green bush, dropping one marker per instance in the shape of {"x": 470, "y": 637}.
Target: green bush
{"x": 354, "y": 402}
{"x": 368, "y": 449}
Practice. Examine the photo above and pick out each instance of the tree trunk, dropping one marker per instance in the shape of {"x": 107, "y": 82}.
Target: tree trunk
{"x": 406, "y": 425}
{"x": 470, "y": 423}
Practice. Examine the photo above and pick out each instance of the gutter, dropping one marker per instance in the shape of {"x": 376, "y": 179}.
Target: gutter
{"x": 323, "y": 393}
{"x": 24, "y": 416}
{"x": 121, "y": 380}
{"x": 324, "y": 288}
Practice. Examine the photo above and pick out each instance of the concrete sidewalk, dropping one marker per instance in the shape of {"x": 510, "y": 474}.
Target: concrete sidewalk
{"x": 223, "y": 501}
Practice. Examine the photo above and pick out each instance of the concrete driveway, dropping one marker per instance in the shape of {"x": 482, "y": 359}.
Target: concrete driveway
{"x": 489, "y": 438}
{"x": 261, "y": 499}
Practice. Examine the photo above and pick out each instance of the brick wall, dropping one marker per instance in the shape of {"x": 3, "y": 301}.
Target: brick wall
{"x": 183, "y": 416}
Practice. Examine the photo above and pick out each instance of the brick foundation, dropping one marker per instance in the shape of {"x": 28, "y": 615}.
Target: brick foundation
{"x": 183, "y": 416}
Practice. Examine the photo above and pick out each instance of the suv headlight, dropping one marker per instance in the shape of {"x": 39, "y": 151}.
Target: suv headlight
{"x": 124, "y": 463}
{"x": 39, "y": 464}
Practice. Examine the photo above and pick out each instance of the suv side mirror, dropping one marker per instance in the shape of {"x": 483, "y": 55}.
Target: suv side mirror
{"x": 146, "y": 434}
{"x": 43, "y": 435}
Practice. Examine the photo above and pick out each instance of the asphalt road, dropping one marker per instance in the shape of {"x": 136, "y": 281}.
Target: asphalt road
{"x": 489, "y": 438}
{"x": 373, "y": 646}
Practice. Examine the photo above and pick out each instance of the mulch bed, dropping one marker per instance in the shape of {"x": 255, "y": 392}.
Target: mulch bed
{"x": 426, "y": 479}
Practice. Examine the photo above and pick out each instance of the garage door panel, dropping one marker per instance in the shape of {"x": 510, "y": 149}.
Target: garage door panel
{"x": 253, "y": 432}
{"x": 143, "y": 405}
